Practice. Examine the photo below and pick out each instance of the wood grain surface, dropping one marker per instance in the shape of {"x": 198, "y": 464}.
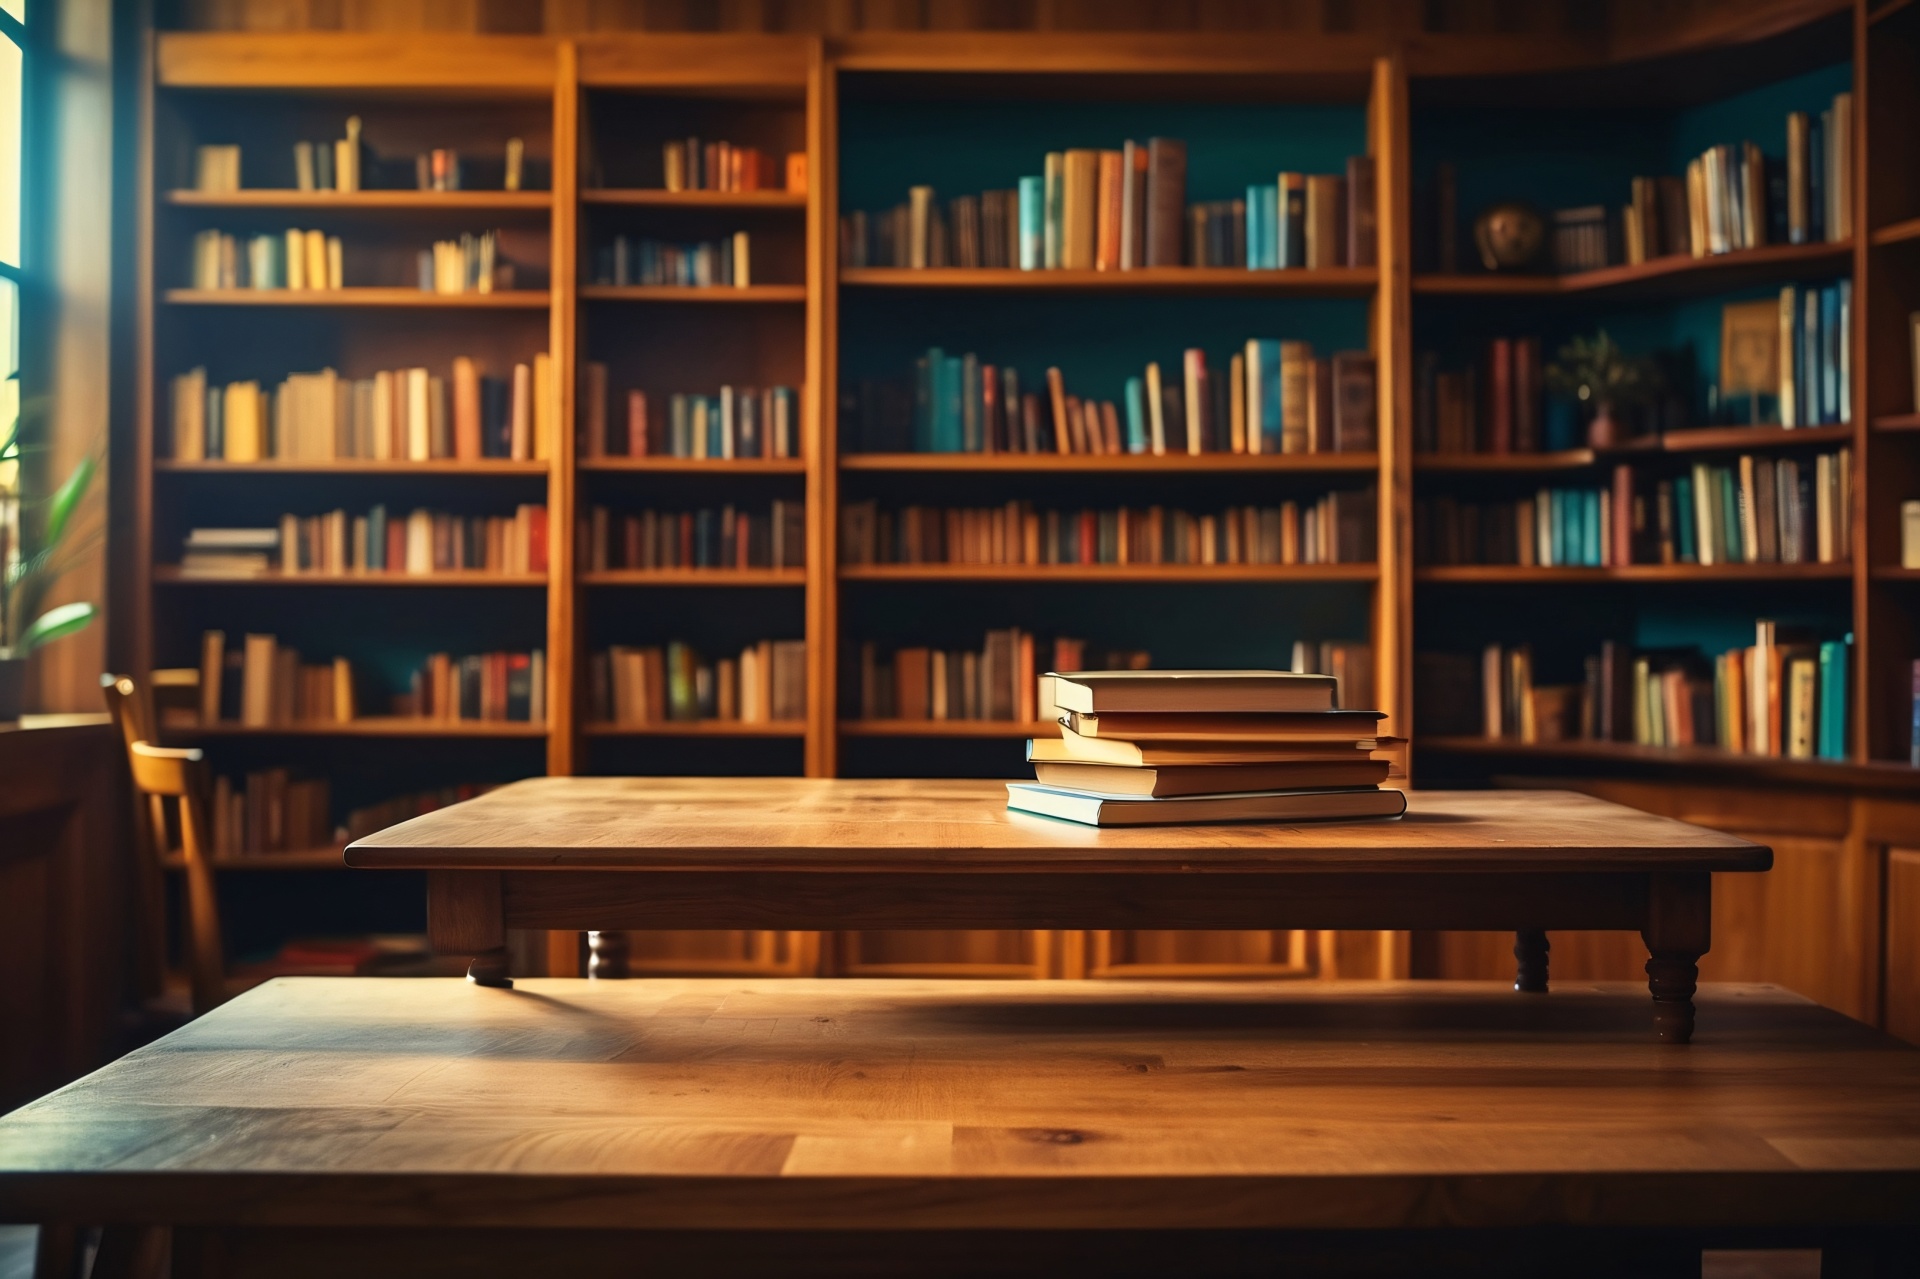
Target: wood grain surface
{"x": 866, "y": 1104}
{"x": 807, "y": 824}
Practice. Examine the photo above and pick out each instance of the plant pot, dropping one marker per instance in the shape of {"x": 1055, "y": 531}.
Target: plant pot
{"x": 1603, "y": 430}
{"x": 13, "y": 687}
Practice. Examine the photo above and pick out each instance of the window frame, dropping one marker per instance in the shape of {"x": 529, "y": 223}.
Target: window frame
{"x": 15, "y": 29}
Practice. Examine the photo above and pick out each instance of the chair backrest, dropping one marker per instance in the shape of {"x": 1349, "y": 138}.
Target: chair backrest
{"x": 132, "y": 712}
{"x": 169, "y": 777}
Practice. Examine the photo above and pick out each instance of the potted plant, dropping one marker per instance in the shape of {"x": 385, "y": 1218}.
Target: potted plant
{"x": 38, "y": 544}
{"x": 1605, "y": 380}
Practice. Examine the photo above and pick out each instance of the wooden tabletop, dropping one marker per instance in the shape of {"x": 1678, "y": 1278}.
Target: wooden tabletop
{"x": 795, "y": 824}
{"x": 861, "y": 1104}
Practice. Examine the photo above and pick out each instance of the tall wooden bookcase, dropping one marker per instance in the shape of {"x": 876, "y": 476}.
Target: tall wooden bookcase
{"x": 598, "y": 106}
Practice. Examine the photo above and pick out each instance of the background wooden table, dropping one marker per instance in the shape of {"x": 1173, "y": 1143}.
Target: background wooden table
{"x": 615, "y": 853}
{"x": 360, "y": 1126}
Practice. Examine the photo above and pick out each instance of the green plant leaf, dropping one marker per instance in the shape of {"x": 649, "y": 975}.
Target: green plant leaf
{"x": 52, "y": 624}
{"x": 66, "y": 499}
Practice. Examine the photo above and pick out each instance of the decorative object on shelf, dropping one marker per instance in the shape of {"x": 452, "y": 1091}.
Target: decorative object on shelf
{"x": 39, "y": 543}
{"x": 1596, "y": 372}
{"x": 1509, "y": 236}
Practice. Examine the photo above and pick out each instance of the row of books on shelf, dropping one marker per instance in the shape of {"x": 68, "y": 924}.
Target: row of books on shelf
{"x": 629, "y": 261}
{"x": 1785, "y": 695}
{"x": 1758, "y": 510}
{"x": 1728, "y": 198}
{"x": 401, "y": 414}
{"x": 262, "y": 683}
{"x": 294, "y": 259}
{"x": 302, "y": 260}
{"x": 673, "y": 683}
{"x": 1276, "y": 397}
{"x": 269, "y": 811}
{"x": 1736, "y": 197}
{"x": 1785, "y": 361}
{"x": 738, "y": 422}
{"x": 1338, "y": 528}
{"x": 726, "y": 538}
{"x": 334, "y": 543}
{"x": 691, "y": 164}
{"x": 999, "y": 681}
{"x": 1123, "y": 209}
{"x": 345, "y": 164}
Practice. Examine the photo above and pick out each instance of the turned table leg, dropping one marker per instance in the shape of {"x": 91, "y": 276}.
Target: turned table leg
{"x": 607, "y": 955}
{"x": 1530, "y": 961}
{"x": 1677, "y": 935}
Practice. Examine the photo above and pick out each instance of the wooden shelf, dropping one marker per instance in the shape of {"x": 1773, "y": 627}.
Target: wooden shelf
{"x": 653, "y": 198}
{"x": 352, "y": 201}
{"x": 702, "y": 728}
{"x": 722, "y": 577}
{"x": 1757, "y": 768}
{"x": 1522, "y": 574}
{"x": 1503, "y": 463}
{"x": 1488, "y": 285}
{"x": 351, "y": 466}
{"x": 975, "y": 728}
{"x": 331, "y": 857}
{"x": 1896, "y": 233}
{"x": 171, "y": 575}
{"x": 508, "y": 300}
{"x": 1326, "y": 281}
{"x": 1121, "y": 463}
{"x": 1194, "y": 574}
{"x": 1672, "y": 276}
{"x": 1898, "y": 422}
{"x": 368, "y": 726}
{"x": 727, "y": 465}
{"x": 1895, "y": 573}
{"x": 1702, "y": 439}
{"x": 723, "y": 293}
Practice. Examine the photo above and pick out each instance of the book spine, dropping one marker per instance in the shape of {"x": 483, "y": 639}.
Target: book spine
{"x": 1166, "y": 201}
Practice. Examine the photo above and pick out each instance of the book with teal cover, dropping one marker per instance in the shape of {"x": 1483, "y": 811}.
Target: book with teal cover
{"x": 1683, "y": 520}
{"x": 1033, "y": 223}
{"x": 1730, "y": 514}
{"x": 953, "y": 406}
{"x": 1590, "y": 532}
{"x": 923, "y": 400}
{"x": 1832, "y": 738}
{"x": 1266, "y": 374}
{"x": 1136, "y": 398}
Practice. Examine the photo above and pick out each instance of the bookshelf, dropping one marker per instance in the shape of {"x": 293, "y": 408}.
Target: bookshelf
{"x": 594, "y": 112}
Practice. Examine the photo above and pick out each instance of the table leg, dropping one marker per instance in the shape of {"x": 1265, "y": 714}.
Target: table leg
{"x": 489, "y": 968}
{"x": 465, "y": 916}
{"x": 607, "y": 955}
{"x": 1679, "y": 911}
{"x": 1530, "y": 949}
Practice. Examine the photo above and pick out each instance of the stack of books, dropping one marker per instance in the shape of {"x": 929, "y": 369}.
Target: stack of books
{"x": 229, "y": 552}
{"x": 1144, "y": 748}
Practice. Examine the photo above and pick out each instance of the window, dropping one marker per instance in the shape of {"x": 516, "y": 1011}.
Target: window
{"x": 12, "y": 60}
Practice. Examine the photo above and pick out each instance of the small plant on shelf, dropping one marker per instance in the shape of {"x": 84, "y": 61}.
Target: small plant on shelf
{"x": 1605, "y": 380}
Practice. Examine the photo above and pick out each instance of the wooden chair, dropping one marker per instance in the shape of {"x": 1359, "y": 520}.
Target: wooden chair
{"x": 166, "y": 778}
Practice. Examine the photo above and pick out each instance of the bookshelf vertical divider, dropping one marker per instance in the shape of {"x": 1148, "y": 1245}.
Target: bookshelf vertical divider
{"x": 1388, "y": 140}
{"x": 563, "y": 639}
{"x": 821, "y": 433}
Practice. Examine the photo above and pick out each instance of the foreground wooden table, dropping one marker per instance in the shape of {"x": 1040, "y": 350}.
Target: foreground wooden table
{"x": 787, "y": 853}
{"x": 364, "y": 1126}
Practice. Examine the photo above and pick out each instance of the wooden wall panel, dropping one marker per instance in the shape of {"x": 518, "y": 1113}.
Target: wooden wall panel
{"x": 1903, "y": 944}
